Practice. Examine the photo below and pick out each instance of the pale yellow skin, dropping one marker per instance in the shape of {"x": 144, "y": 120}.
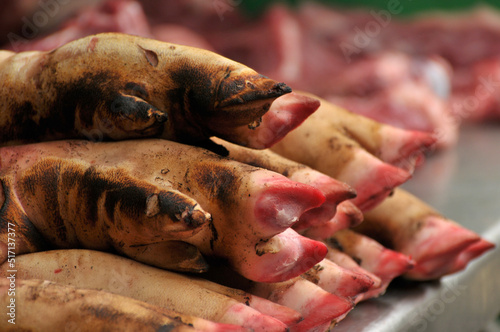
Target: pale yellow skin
{"x": 63, "y": 308}
{"x": 103, "y": 271}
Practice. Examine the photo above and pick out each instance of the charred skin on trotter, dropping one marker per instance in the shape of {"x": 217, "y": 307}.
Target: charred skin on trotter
{"x": 113, "y": 86}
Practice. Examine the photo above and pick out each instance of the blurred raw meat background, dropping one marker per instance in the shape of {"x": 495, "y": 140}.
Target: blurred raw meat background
{"x": 427, "y": 72}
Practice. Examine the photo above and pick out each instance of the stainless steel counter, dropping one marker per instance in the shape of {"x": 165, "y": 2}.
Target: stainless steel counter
{"x": 462, "y": 183}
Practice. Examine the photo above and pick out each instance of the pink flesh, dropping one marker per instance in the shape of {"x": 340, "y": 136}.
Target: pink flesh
{"x": 316, "y": 305}
{"x": 252, "y": 319}
{"x": 391, "y": 265}
{"x": 286, "y": 113}
{"x": 422, "y": 109}
{"x": 208, "y": 326}
{"x": 288, "y": 255}
{"x": 476, "y": 249}
{"x": 343, "y": 282}
{"x": 347, "y": 262}
{"x": 386, "y": 264}
{"x": 405, "y": 148}
{"x": 335, "y": 192}
{"x": 381, "y": 261}
{"x": 286, "y": 315}
{"x": 347, "y": 216}
{"x": 325, "y": 327}
{"x": 436, "y": 247}
{"x": 456, "y": 261}
{"x": 372, "y": 179}
{"x": 282, "y": 201}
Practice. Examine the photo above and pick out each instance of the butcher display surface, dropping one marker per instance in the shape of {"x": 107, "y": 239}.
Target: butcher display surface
{"x": 158, "y": 173}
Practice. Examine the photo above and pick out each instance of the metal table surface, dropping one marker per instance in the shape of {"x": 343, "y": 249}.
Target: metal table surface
{"x": 463, "y": 183}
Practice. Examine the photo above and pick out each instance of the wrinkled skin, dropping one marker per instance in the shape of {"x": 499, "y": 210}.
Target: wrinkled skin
{"x": 114, "y": 86}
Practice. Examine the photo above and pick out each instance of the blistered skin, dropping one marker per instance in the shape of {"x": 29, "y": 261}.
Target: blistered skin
{"x": 439, "y": 246}
{"x": 159, "y": 202}
{"x": 114, "y": 86}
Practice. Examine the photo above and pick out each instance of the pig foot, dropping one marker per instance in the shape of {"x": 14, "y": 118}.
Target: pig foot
{"x": 285, "y": 114}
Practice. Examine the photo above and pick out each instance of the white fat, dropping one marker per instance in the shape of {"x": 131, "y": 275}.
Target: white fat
{"x": 286, "y": 217}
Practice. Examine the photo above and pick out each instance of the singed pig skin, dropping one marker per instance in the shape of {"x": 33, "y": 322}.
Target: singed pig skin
{"x": 115, "y": 86}
{"x": 125, "y": 195}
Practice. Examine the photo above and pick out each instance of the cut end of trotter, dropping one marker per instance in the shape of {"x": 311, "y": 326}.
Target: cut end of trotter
{"x": 323, "y": 309}
{"x": 252, "y": 319}
{"x": 377, "y": 184}
{"x": 285, "y": 114}
{"x": 335, "y": 193}
{"x": 283, "y": 201}
{"x": 284, "y": 314}
{"x": 474, "y": 250}
{"x": 391, "y": 264}
{"x": 347, "y": 216}
{"x": 406, "y": 149}
{"x": 283, "y": 257}
{"x": 340, "y": 281}
{"x": 440, "y": 248}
